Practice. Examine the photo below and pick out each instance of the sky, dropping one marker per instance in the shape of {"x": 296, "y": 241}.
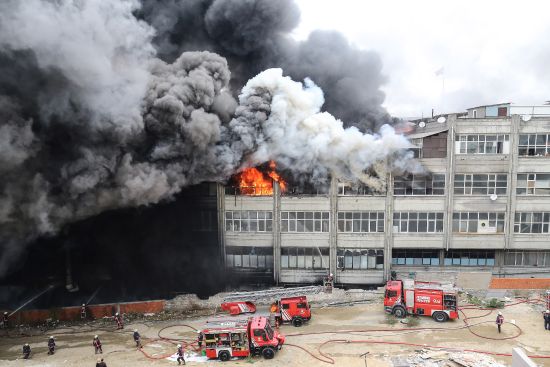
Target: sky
{"x": 488, "y": 51}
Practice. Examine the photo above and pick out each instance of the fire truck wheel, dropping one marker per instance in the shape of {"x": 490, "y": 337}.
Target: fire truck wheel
{"x": 440, "y": 316}
{"x": 399, "y": 312}
{"x": 224, "y": 356}
{"x": 268, "y": 353}
{"x": 297, "y": 321}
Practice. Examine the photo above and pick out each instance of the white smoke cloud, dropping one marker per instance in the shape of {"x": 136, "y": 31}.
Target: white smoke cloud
{"x": 294, "y": 132}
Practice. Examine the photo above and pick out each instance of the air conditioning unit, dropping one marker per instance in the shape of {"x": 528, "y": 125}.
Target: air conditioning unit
{"x": 483, "y": 227}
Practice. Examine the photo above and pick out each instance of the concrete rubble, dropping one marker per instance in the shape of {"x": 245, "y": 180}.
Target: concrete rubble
{"x": 445, "y": 358}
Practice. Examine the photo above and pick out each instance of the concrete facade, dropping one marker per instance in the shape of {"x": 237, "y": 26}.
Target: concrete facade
{"x": 490, "y": 215}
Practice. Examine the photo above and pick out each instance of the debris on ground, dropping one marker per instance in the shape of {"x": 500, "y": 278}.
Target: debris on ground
{"x": 443, "y": 358}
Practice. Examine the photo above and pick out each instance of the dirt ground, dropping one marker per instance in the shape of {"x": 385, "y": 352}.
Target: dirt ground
{"x": 75, "y": 349}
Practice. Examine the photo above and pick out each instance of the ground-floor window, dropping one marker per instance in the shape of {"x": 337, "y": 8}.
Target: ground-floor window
{"x": 415, "y": 257}
{"x": 359, "y": 259}
{"x": 249, "y": 257}
{"x": 527, "y": 258}
{"x": 305, "y": 257}
{"x": 469, "y": 258}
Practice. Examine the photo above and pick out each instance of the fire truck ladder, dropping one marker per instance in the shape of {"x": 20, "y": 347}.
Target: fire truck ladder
{"x": 273, "y": 293}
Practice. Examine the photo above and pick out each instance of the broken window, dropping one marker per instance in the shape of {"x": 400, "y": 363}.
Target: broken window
{"x": 359, "y": 259}
{"x": 419, "y": 185}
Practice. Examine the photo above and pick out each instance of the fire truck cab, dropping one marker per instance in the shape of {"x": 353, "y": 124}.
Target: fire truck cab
{"x": 406, "y": 296}
{"x": 293, "y": 310}
{"x": 241, "y": 338}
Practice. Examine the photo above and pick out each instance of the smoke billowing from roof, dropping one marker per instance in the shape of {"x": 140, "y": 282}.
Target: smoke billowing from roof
{"x": 92, "y": 120}
{"x": 254, "y": 35}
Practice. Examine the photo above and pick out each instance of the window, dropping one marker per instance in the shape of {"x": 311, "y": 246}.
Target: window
{"x": 475, "y": 113}
{"x": 527, "y": 258}
{"x": 249, "y": 257}
{"x": 417, "y": 149}
{"x": 482, "y": 144}
{"x": 306, "y": 189}
{"x": 419, "y": 185}
{"x": 480, "y": 184}
{"x": 469, "y": 258}
{"x": 304, "y": 221}
{"x": 533, "y": 184}
{"x": 305, "y": 257}
{"x": 361, "y": 221}
{"x": 532, "y": 222}
{"x": 347, "y": 189}
{"x": 415, "y": 257}
{"x": 534, "y": 145}
{"x": 414, "y": 222}
{"x": 359, "y": 259}
{"x": 475, "y": 222}
{"x": 248, "y": 221}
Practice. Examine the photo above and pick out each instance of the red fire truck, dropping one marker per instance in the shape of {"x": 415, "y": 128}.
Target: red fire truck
{"x": 293, "y": 310}
{"x": 241, "y": 338}
{"x": 404, "y": 297}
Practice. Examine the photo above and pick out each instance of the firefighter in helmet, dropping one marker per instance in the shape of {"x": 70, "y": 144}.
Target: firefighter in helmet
{"x": 499, "y": 321}
{"x": 51, "y": 345}
{"x": 180, "y": 355}
{"x": 97, "y": 345}
{"x": 200, "y": 338}
{"x": 5, "y": 320}
{"x": 546, "y": 316}
{"x": 83, "y": 312}
{"x": 26, "y": 351}
{"x": 137, "y": 338}
{"x": 118, "y": 320}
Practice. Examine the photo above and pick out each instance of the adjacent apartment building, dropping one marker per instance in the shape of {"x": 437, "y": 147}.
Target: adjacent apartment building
{"x": 484, "y": 205}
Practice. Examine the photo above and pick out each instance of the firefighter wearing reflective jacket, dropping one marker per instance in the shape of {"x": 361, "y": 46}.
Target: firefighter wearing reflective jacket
{"x": 500, "y": 321}
{"x": 83, "y": 312}
{"x": 26, "y": 351}
{"x": 274, "y": 309}
{"x": 118, "y": 320}
{"x": 137, "y": 338}
{"x": 51, "y": 345}
{"x": 180, "y": 355}
{"x": 97, "y": 345}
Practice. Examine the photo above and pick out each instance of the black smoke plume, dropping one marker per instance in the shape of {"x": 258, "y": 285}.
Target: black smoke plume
{"x": 254, "y": 35}
{"x": 109, "y": 104}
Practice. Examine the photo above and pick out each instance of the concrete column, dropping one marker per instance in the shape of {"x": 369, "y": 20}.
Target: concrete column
{"x": 333, "y": 230}
{"x": 512, "y": 180}
{"x": 388, "y": 230}
{"x": 276, "y": 232}
{"x": 220, "y": 199}
{"x": 449, "y": 183}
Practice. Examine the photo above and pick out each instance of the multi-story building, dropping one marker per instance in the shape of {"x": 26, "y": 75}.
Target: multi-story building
{"x": 482, "y": 205}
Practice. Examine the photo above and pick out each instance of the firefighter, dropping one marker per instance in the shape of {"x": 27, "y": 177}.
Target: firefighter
{"x": 5, "y": 320}
{"x": 500, "y": 320}
{"x": 83, "y": 312}
{"x": 180, "y": 355}
{"x": 274, "y": 309}
{"x": 100, "y": 363}
{"x": 200, "y": 338}
{"x": 137, "y": 338}
{"x": 97, "y": 345}
{"x": 26, "y": 351}
{"x": 51, "y": 345}
{"x": 546, "y": 316}
{"x": 118, "y": 319}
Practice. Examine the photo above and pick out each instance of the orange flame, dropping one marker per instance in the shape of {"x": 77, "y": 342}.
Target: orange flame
{"x": 254, "y": 182}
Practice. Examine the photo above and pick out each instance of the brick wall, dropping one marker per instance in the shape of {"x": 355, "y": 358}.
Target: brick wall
{"x": 93, "y": 311}
{"x": 435, "y": 146}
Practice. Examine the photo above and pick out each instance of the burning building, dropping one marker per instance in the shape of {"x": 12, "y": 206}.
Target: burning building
{"x": 481, "y": 205}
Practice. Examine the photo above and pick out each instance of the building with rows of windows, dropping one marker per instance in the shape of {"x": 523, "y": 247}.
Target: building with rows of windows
{"x": 484, "y": 205}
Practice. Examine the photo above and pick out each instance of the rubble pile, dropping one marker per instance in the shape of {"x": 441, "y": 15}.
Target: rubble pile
{"x": 443, "y": 358}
